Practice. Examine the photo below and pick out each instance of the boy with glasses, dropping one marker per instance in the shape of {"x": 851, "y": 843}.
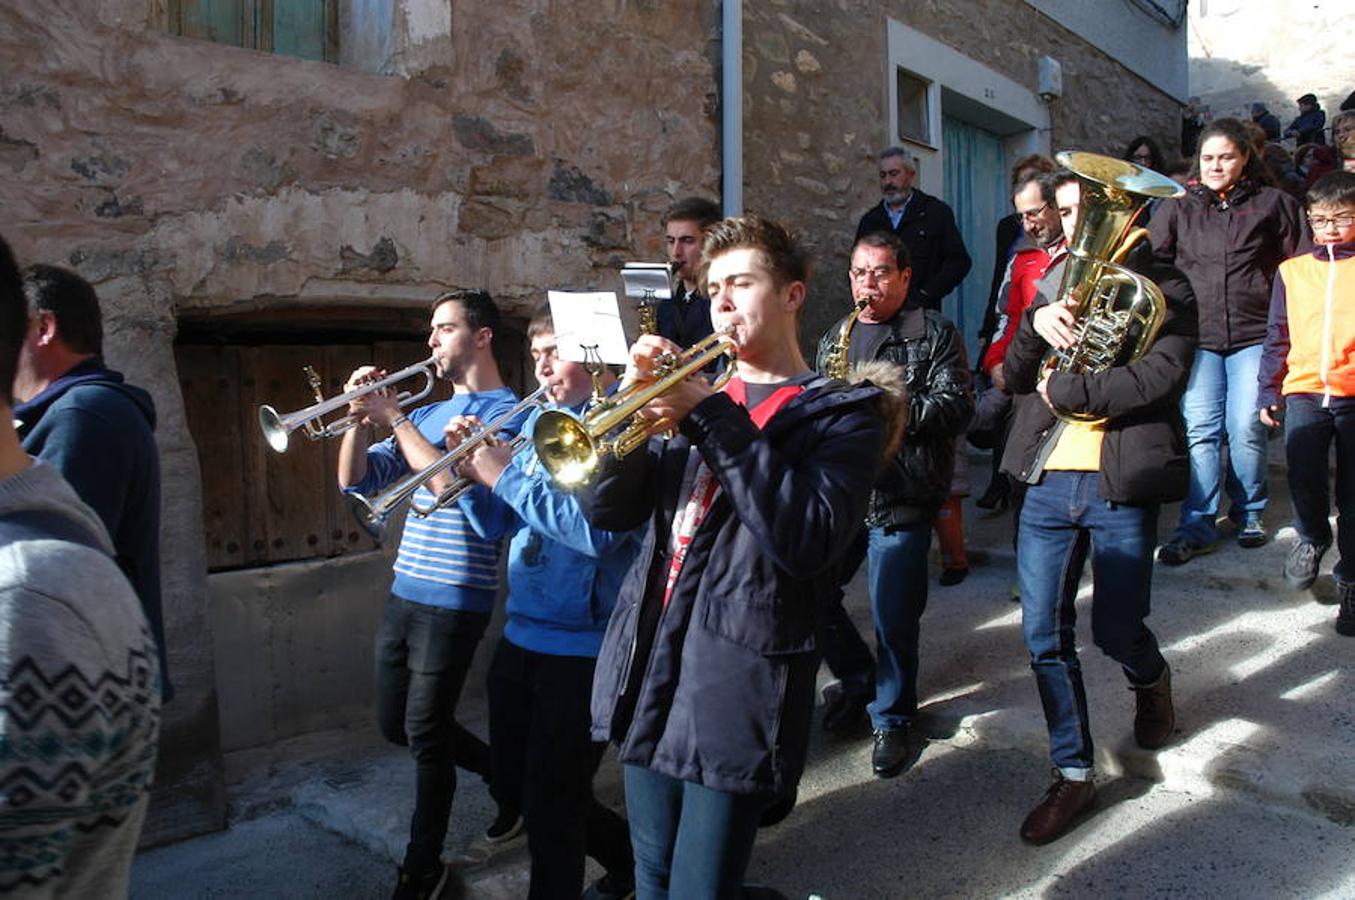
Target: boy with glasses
{"x": 1309, "y": 361}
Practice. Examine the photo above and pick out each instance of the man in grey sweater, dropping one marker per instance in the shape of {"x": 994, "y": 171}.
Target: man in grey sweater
{"x": 78, "y": 673}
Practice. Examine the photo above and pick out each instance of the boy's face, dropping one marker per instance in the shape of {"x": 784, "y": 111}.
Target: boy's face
{"x": 569, "y": 382}
{"x": 744, "y": 295}
{"x": 1332, "y": 224}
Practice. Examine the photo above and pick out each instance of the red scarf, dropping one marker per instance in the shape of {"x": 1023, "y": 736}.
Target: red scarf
{"x": 706, "y": 487}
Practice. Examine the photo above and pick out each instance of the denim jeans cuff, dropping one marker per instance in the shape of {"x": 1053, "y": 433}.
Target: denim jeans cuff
{"x": 1072, "y": 774}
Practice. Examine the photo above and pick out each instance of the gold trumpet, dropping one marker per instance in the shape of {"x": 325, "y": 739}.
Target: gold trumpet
{"x": 374, "y": 512}
{"x": 571, "y": 447}
{"x": 278, "y": 428}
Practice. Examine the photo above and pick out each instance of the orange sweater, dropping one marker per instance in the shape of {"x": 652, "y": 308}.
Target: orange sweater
{"x": 1310, "y": 337}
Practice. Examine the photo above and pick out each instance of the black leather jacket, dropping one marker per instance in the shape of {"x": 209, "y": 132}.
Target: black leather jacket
{"x": 916, "y": 481}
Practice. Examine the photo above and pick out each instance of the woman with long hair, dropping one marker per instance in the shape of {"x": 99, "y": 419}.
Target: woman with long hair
{"x": 1228, "y": 234}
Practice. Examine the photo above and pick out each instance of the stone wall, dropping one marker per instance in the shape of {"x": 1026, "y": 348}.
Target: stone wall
{"x": 815, "y": 107}
{"x": 525, "y": 145}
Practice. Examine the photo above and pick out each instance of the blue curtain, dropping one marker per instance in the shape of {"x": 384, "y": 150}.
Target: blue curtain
{"x": 976, "y": 189}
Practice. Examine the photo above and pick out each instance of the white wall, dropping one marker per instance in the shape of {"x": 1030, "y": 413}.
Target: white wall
{"x": 1242, "y": 50}
{"x": 1025, "y": 118}
{"x": 1123, "y": 31}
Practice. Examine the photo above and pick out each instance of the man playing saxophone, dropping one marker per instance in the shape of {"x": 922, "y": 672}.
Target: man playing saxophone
{"x": 927, "y": 350}
{"x": 445, "y": 581}
{"x": 1101, "y": 481}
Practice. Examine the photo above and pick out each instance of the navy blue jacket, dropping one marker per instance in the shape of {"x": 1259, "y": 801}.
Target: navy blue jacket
{"x": 717, "y": 686}
{"x": 99, "y": 433}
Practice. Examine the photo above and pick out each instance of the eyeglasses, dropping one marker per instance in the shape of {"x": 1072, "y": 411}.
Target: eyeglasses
{"x": 1032, "y": 215}
{"x": 881, "y": 273}
{"x": 1321, "y": 223}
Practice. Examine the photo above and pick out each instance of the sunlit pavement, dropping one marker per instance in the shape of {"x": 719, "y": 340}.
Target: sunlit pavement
{"x": 1255, "y": 796}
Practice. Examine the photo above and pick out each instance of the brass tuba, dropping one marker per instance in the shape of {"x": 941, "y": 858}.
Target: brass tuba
{"x": 1118, "y": 311}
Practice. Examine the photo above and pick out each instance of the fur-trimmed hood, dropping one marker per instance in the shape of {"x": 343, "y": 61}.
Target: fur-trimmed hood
{"x": 893, "y": 402}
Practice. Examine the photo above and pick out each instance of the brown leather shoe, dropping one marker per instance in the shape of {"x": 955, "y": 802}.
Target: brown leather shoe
{"x": 1063, "y": 803}
{"x": 1154, "y": 716}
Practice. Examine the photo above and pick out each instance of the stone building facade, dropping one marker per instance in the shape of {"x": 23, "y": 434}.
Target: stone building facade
{"x": 817, "y": 95}
{"x": 518, "y": 145}
{"x": 233, "y": 205}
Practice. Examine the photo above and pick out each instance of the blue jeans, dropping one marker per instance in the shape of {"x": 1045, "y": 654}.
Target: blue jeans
{"x": 690, "y": 840}
{"x": 898, "y": 596}
{"x": 1059, "y": 515}
{"x": 1221, "y": 398}
{"x": 422, "y": 656}
{"x": 1309, "y": 430}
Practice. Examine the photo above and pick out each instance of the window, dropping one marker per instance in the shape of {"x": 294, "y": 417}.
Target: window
{"x": 914, "y": 111}
{"x": 308, "y": 29}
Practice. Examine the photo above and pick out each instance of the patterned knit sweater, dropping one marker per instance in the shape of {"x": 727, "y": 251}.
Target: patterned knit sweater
{"x": 79, "y": 698}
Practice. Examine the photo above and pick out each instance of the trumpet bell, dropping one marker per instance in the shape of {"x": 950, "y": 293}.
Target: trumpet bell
{"x": 565, "y": 448}
{"x": 275, "y": 430}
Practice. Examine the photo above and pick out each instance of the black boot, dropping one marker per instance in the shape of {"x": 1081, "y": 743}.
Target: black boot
{"x": 1345, "y": 619}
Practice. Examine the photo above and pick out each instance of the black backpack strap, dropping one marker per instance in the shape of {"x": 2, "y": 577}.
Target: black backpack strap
{"x": 46, "y": 523}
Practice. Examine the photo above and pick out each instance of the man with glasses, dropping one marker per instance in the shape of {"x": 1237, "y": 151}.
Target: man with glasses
{"x": 924, "y": 223}
{"x": 909, "y": 491}
{"x": 1041, "y": 248}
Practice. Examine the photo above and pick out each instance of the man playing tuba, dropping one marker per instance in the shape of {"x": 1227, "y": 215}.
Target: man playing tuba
{"x": 1100, "y": 452}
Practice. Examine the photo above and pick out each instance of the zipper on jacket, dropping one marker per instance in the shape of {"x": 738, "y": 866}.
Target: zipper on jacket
{"x": 1046, "y": 449}
{"x": 1326, "y": 326}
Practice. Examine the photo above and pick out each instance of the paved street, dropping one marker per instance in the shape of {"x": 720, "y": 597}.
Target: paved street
{"x": 1254, "y": 798}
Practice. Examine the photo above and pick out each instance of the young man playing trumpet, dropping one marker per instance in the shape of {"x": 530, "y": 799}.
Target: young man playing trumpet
{"x": 706, "y": 676}
{"x": 563, "y": 577}
{"x": 446, "y": 578}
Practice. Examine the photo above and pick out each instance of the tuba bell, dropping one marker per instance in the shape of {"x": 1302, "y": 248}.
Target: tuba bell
{"x": 1118, "y": 312}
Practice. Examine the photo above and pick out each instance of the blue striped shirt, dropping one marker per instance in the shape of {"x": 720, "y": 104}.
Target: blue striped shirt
{"x": 442, "y": 561}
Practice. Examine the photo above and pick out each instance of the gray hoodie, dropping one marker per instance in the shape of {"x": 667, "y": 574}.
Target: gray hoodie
{"x": 79, "y": 697}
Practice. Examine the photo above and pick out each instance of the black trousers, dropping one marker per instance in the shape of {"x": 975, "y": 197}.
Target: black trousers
{"x": 422, "y": 656}
{"x": 543, "y": 763}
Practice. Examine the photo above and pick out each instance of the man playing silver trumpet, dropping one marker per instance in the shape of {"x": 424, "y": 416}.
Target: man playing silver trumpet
{"x": 446, "y": 577}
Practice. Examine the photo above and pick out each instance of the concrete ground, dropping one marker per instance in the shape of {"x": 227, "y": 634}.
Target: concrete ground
{"x": 1254, "y": 798}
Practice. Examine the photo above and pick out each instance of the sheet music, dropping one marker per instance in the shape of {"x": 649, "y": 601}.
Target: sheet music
{"x": 589, "y": 319}
{"x": 647, "y": 281}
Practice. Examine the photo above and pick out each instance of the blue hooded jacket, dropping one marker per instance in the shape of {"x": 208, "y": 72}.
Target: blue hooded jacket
{"x": 563, "y": 573}
{"x": 99, "y": 433}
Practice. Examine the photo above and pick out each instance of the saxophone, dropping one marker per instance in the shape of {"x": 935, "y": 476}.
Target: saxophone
{"x": 835, "y": 361}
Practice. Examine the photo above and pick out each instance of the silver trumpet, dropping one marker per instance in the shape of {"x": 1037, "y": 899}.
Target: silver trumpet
{"x": 374, "y": 512}
{"x": 278, "y": 428}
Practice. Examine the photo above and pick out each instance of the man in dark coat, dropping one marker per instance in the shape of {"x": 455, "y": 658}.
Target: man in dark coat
{"x": 1096, "y": 482}
{"x": 1269, "y": 122}
{"x": 928, "y": 354}
{"x": 685, "y": 317}
{"x": 1307, "y": 128}
{"x": 85, "y": 421}
{"x": 926, "y": 226}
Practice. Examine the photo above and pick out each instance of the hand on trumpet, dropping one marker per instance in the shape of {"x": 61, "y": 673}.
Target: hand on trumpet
{"x": 375, "y": 408}
{"x": 1055, "y": 323}
{"x": 649, "y": 356}
{"x": 485, "y": 463}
